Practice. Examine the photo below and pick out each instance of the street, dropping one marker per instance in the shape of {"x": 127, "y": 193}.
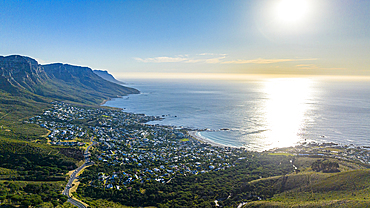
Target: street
{"x": 74, "y": 176}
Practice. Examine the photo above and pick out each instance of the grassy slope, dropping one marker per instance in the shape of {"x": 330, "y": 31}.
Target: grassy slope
{"x": 17, "y": 155}
{"x": 22, "y": 140}
{"x": 20, "y": 185}
{"x": 349, "y": 188}
{"x": 26, "y": 89}
{"x": 79, "y": 84}
{"x": 103, "y": 203}
{"x": 14, "y": 110}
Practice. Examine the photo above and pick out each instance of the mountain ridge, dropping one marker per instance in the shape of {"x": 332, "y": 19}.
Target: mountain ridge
{"x": 105, "y": 75}
{"x": 22, "y": 75}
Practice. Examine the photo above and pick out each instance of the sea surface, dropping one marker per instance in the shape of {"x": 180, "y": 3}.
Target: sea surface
{"x": 258, "y": 114}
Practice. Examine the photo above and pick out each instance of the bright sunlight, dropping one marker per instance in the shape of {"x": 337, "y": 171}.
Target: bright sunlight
{"x": 285, "y": 109}
{"x": 292, "y": 11}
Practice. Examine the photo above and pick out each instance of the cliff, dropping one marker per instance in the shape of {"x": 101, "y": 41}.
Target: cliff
{"x": 24, "y": 76}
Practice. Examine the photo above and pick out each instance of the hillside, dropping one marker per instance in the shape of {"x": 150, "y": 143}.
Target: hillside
{"x": 28, "y": 87}
{"x": 345, "y": 189}
{"x": 33, "y": 162}
{"x": 348, "y": 188}
{"x": 105, "y": 75}
{"x": 23, "y": 76}
{"x": 76, "y": 81}
{"x": 33, "y": 173}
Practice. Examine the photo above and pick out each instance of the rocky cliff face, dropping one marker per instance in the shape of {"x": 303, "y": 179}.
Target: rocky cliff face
{"x": 68, "y": 73}
{"x": 105, "y": 75}
{"x": 19, "y": 74}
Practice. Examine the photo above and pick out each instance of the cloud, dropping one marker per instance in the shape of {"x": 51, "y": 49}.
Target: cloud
{"x": 214, "y": 58}
{"x": 211, "y": 54}
{"x": 335, "y": 68}
{"x": 314, "y": 66}
{"x": 257, "y": 61}
{"x": 211, "y": 58}
{"x": 213, "y": 61}
{"x": 307, "y": 66}
{"x": 194, "y": 60}
{"x": 264, "y": 61}
{"x": 162, "y": 59}
{"x": 206, "y": 54}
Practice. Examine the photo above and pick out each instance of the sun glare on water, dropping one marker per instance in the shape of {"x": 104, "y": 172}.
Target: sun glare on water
{"x": 284, "y": 110}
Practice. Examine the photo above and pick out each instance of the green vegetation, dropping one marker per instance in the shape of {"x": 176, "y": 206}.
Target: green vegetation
{"x": 286, "y": 154}
{"x": 80, "y": 85}
{"x": 14, "y": 111}
{"x": 22, "y": 160}
{"x": 325, "y": 166}
{"x": 184, "y": 140}
{"x": 26, "y": 194}
{"x": 143, "y": 165}
{"x": 345, "y": 189}
{"x": 105, "y": 203}
{"x": 27, "y": 88}
{"x": 188, "y": 191}
{"x": 159, "y": 166}
{"x": 349, "y": 188}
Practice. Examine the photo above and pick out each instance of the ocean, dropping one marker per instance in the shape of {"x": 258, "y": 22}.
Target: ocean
{"x": 258, "y": 114}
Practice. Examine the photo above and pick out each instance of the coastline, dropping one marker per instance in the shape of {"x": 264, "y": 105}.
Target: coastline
{"x": 104, "y": 101}
{"x": 312, "y": 149}
{"x": 197, "y": 135}
{"x": 194, "y": 135}
{"x": 108, "y": 99}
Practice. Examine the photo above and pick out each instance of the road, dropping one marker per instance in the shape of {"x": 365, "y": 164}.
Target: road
{"x": 74, "y": 177}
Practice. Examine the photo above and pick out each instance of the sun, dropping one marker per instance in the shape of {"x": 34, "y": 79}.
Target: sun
{"x": 292, "y": 11}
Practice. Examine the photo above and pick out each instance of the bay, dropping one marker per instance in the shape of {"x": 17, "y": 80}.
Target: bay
{"x": 258, "y": 114}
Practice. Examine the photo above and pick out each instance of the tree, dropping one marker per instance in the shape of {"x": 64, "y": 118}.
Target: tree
{"x": 325, "y": 166}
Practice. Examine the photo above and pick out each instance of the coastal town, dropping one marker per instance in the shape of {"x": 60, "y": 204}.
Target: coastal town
{"x": 350, "y": 152}
{"x": 143, "y": 152}
{"x": 148, "y": 153}
{"x": 130, "y": 156}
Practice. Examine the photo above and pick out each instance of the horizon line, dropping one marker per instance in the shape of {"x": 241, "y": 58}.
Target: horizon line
{"x": 227, "y": 76}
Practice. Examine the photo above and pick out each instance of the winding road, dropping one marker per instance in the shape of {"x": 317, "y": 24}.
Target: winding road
{"x": 74, "y": 177}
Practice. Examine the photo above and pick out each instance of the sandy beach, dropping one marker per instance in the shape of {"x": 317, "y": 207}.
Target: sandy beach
{"x": 104, "y": 101}
{"x": 195, "y": 135}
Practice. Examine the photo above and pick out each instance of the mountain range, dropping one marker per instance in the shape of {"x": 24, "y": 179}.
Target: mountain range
{"x": 24, "y": 77}
{"x": 105, "y": 75}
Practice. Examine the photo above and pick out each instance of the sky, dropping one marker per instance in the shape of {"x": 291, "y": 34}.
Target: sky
{"x": 148, "y": 37}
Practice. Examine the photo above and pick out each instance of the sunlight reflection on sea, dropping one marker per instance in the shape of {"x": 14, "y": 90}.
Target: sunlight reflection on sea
{"x": 260, "y": 114}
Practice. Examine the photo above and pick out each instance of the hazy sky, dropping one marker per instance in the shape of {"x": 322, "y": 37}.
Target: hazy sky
{"x": 249, "y": 37}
